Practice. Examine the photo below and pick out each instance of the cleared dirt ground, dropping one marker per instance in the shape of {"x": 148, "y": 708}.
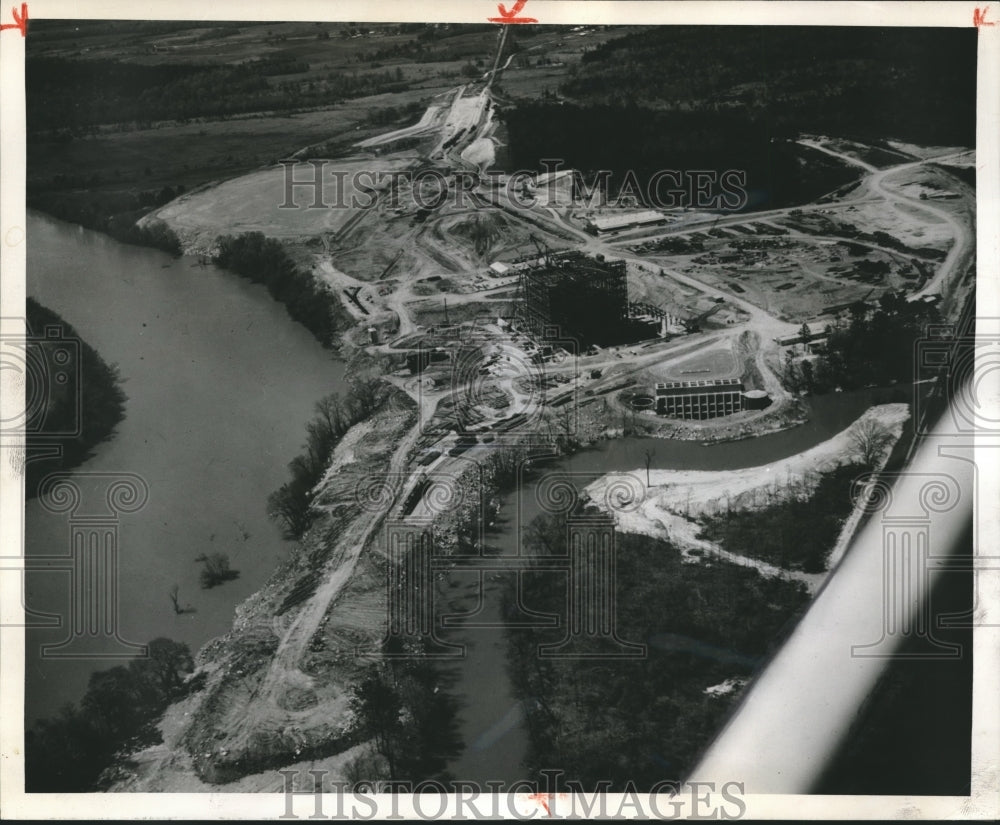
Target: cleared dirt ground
{"x": 265, "y": 202}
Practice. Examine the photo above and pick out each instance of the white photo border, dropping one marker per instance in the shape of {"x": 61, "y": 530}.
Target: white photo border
{"x": 984, "y": 802}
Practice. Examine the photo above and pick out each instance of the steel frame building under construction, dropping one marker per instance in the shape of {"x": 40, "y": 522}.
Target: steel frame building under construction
{"x": 577, "y": 297}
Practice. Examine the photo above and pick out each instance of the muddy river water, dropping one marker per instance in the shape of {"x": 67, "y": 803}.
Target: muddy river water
{"x": 220, "y": 385}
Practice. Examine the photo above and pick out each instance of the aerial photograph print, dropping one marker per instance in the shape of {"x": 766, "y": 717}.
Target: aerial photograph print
{"x": 513, "y": 408}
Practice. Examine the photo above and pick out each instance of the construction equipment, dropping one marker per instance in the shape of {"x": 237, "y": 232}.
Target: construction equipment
{"x": 544, "y": 251}
{"x": 694, "y": 324}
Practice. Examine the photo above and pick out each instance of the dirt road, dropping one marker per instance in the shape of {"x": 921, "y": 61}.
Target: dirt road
{"x": 960, "y": 251}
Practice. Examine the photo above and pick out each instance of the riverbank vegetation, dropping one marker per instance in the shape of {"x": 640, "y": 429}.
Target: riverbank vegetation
{"x": 74, "y": 399}
{"x": 216, "y": 570}
{"x": 705, "y": 625}
{"x": 117, "y": 715}
{"x": 291, "y": 504}
{"x": 224, "y": 749}
{"x": 796, "y": 531}
{"x": 874, "y": 348}
{"x": 265, "y": 260}
{"x": 114, "y": 213}
{"x": 404, "y": 708}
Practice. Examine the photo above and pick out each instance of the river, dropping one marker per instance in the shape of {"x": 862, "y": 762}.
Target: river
{"x": 491, "y": 720}
{"x": 220, "y": 384}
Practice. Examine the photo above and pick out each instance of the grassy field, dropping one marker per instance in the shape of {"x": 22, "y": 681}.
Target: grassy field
{"x": 121, "y": 152}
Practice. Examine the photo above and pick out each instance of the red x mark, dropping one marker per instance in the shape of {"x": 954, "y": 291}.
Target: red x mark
{"x": 511, "y": 16}
{"x": 20, "y": 20}
{"x": 979, "y": 17}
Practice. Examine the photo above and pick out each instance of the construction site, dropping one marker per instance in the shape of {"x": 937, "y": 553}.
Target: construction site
{"x": 502, "y": 325}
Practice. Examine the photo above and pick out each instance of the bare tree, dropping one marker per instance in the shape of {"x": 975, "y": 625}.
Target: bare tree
{"x": 567, "y": 420}
{"x": 870, "y": 440}
{"x": 506, "y": 461}
{"x": 174, "y": 591}
{"x": 649, "y": 460}
{"x": 330, "y": 412}
{"x": 175, "y": 600}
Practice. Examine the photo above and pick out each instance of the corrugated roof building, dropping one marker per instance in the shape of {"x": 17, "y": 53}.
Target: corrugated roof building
{"x": 624, "y": 220}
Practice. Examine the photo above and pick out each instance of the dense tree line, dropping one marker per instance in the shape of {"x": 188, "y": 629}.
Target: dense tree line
{"x": 115, "y": 213}
{"x": 75, "y": 414}
{"x": 291, "y": 504}
{"x": 644, "y": 719}
{"x": 264, "y": 260}
{"x": 875, "y": 347}
{"x": 657, "y": 99}
{"x": 118, "y": 714}
{"x": 624, "y": 138}
{"x": 870, "y": 83}
{"x": 393, "y": 114}
{"x": 796, "y": 532}
{"x": 64, "y": 93}
{"x": 76, "y": 95}
{"x": 422, "y": 52}
{"x": 410, "y": 720}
